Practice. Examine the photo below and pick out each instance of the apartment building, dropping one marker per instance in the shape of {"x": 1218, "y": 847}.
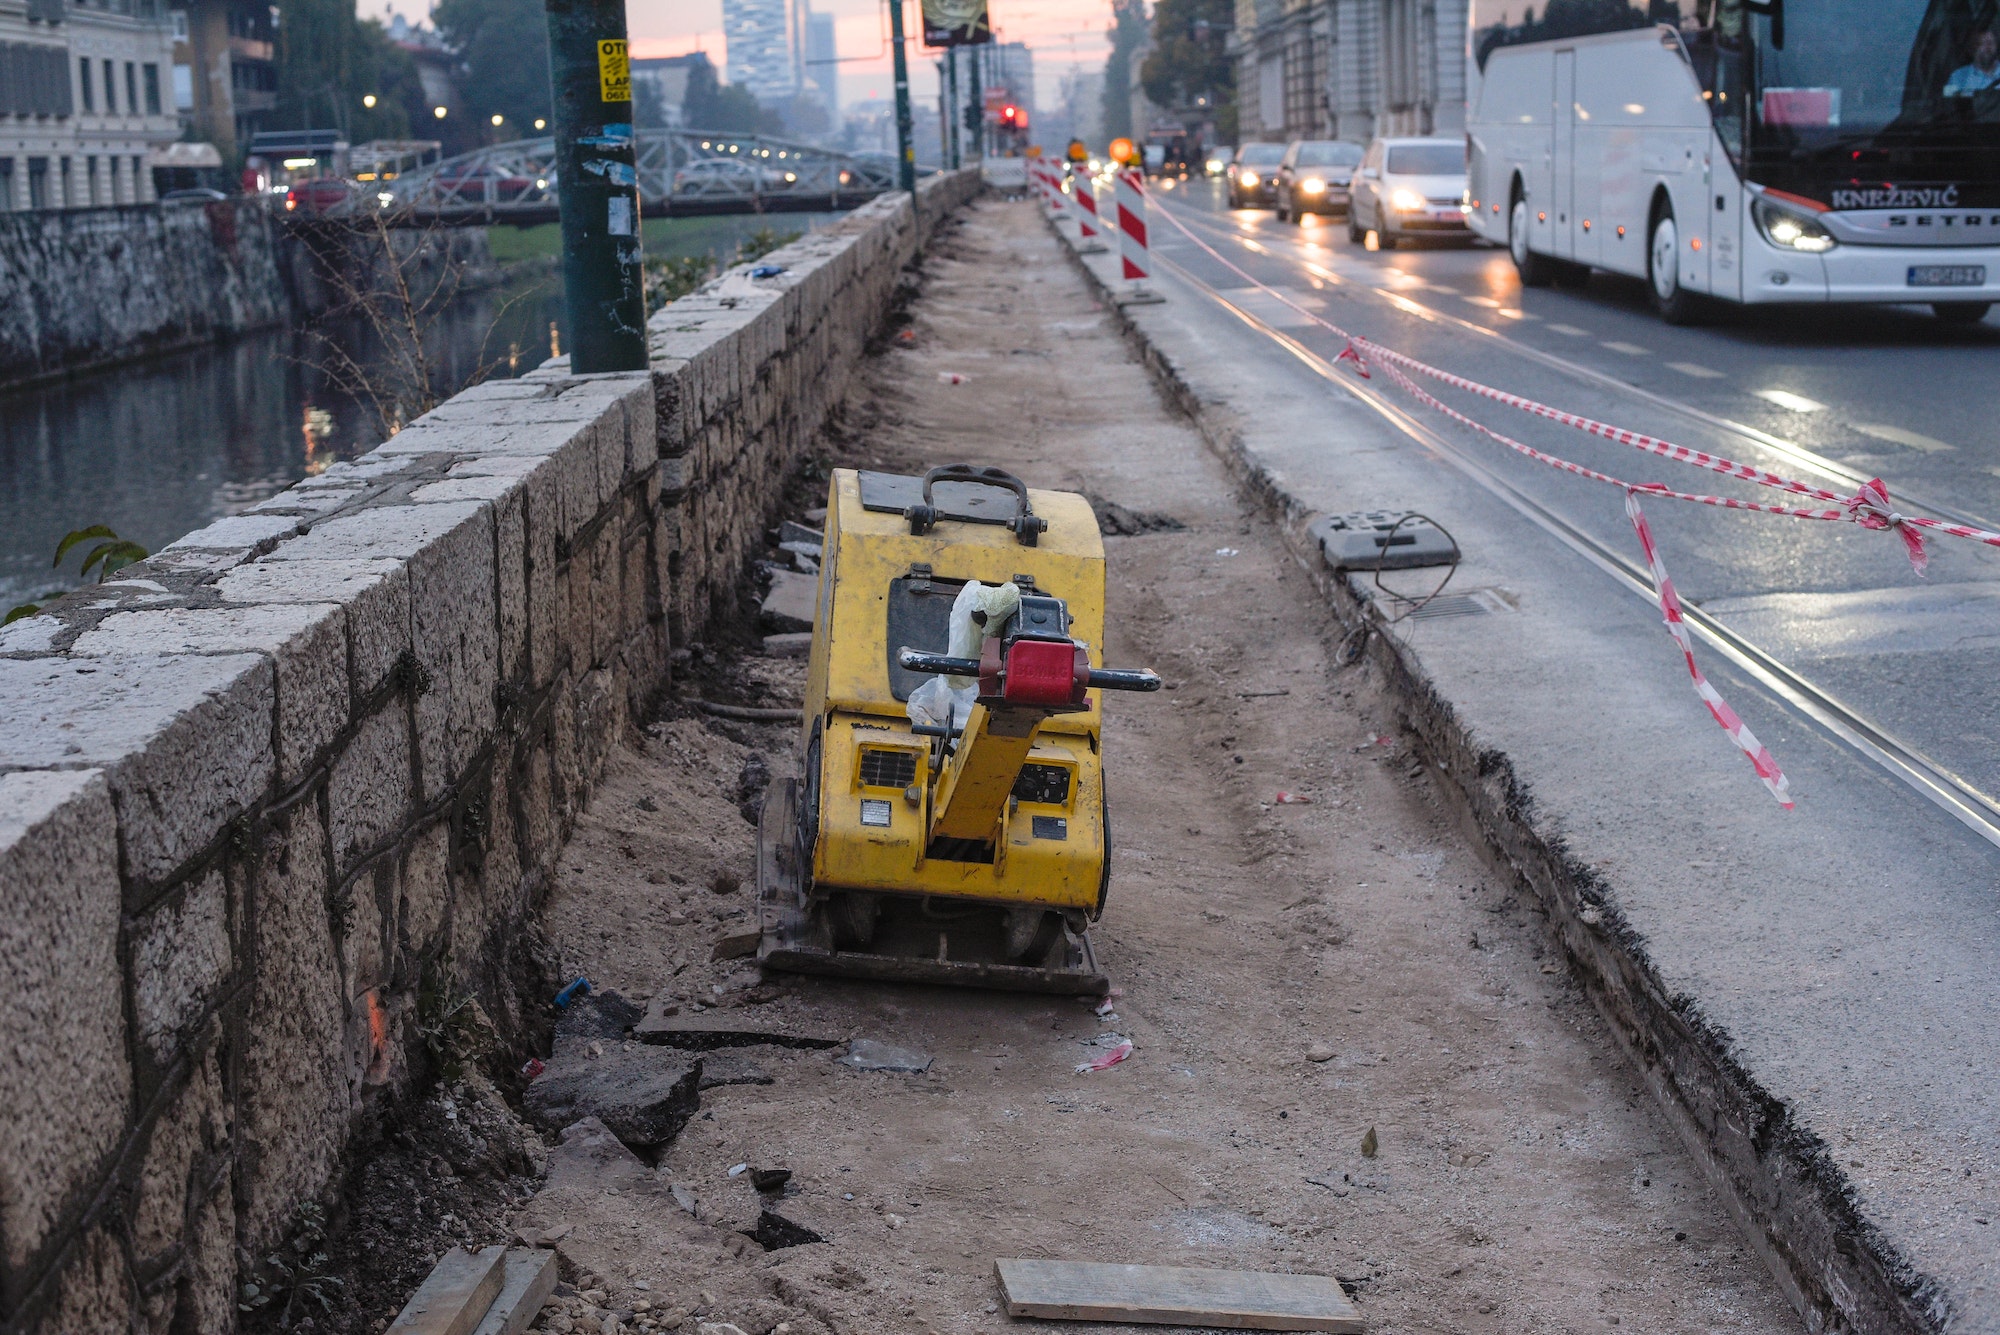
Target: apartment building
{"x": 84, "y": 98}
{"x": 1349, "y": 69}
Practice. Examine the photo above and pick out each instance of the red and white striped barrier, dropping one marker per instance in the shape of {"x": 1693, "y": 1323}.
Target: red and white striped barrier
{"x": 1135, "y": 260}
{"x": 1086, "y": 204}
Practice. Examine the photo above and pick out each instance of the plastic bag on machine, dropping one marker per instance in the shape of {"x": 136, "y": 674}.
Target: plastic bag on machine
{"x": 950, "y": 699}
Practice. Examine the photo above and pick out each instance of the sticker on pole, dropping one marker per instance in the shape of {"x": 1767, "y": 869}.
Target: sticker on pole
{"x": 614, "y": 72}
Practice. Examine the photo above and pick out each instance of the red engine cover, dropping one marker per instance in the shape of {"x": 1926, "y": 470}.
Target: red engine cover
{"x": 1049, "y": 673}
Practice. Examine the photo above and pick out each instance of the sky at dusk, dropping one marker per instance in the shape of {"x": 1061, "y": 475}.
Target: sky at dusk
{"x": 1063, "y": 34}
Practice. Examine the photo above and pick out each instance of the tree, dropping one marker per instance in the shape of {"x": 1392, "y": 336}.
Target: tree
{"x": 1189, "y": 66}
{"x": 708, "y": 105}
{"x": 328, "y": 60}
{"x": 1127, "y": 33}
{"x": 504, "y": 45}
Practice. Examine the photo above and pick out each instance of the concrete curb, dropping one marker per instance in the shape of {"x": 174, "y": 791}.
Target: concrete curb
{"x": 1780, "y": 1179}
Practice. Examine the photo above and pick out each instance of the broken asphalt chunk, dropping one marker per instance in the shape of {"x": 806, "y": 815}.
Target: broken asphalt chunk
{"x": 774, "y": 1231}
{"x": 641, "y": 1095}
{"x": 726, "y": 1028}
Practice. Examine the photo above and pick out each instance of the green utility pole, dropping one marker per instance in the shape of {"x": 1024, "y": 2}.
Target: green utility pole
{"x": 597, "y": 185}
{"x": 975, "y": 108}
{"x": 906, "y": 153}
{"x": 951, "y": 108}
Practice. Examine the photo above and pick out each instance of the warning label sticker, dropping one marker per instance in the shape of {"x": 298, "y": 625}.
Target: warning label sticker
{"x": 614, "y": 72}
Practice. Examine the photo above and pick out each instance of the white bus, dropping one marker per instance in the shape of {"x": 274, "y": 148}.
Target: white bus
{"x": 1753, "y": 151}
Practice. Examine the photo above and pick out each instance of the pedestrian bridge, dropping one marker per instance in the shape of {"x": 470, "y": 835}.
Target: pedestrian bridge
{"x": 681, "y": 173}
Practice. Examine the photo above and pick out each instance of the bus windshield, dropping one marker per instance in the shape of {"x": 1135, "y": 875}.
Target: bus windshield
{"x": 1859, "y": 67}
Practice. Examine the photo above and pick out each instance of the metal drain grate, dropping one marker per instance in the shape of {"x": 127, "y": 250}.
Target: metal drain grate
{"x": 1467, "y": 603}
{"x": 887, "y": 769}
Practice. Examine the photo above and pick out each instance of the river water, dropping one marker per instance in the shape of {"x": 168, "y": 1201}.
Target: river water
{"x": 158, "y": 448}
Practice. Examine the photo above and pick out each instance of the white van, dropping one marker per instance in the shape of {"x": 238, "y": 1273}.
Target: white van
{"x": 1731, "y": 159}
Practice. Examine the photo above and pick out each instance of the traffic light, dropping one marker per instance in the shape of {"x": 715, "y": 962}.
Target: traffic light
{"x": 1013, "y": 118}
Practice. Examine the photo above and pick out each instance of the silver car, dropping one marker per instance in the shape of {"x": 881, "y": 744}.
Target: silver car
{"x": 1409, "y": 187}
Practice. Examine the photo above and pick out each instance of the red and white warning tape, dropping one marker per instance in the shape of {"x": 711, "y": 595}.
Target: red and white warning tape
{"x": 1869, "y": 507}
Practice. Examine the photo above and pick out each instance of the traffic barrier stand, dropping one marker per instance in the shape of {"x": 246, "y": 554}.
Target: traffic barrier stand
{"x": 1086, "y": 213}
{"x": 1869, "y": 508}
{"x": 1136, "y": 262}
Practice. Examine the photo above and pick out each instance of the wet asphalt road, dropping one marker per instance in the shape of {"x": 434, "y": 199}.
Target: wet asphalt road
{"x": 1883, "y": 392}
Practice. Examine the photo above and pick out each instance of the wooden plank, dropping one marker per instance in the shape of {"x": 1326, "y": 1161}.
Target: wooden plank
{"x": 530, "y": 1276}
{"x": 455, "y": 1297}
{"x": 1174, "y": 1295}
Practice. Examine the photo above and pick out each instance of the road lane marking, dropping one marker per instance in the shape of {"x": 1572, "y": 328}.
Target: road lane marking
{"x": 1514, "y": 314}
{"x": 1815, "y": 464}
{"x": 1696, "y": 370}
{"x": 1569, "y": 329}
{"x": 1487, "y": 302}
{"x": 1629, "y": 349}
{"x": 1896, "y": 435}
{"x": 1790, "y": 402}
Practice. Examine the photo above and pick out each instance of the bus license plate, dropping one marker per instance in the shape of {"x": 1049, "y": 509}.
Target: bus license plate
{"x": 1947, "y": 275}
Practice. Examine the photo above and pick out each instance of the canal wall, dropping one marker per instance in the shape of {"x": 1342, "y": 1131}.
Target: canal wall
{"x": 278, "y": 788}
{"x": 84, "y": 288}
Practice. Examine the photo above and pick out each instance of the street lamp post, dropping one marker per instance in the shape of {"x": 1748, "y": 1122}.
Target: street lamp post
{"x": 597, "y": 186}
{"x": 906, "y": 152}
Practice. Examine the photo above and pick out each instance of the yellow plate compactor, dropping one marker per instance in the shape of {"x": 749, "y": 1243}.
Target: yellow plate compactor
{"x": 960, "y": 836}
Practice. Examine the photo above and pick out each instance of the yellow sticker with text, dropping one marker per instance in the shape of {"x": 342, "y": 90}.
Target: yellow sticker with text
{"x": 614, "y": 72}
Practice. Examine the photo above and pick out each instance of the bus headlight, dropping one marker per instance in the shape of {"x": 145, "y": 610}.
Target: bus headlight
{"x": 1790, "y": 229}
{"x": 1312, "y": 185}
{"x": 1407, "y": 201}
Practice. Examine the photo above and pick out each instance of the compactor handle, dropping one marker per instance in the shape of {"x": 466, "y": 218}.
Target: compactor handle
{"x": 1103, "y": 679}
{"x": 1026, "y": 525}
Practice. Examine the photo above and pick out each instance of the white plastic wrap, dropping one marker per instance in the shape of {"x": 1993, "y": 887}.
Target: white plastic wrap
{"x": 951, "y": 698}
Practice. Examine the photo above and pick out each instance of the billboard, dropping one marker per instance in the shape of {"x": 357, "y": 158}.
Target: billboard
{"x": 956, "y": 23}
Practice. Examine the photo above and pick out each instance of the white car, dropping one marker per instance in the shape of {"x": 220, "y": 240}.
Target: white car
{"x": 1409, "y": 187}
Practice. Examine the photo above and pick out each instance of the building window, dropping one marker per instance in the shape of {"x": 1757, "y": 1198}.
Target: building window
{"x": 38, "y": 183}
{"x": 131, "y": 88}
{"x": 180, "y": 21}
{"x": 152, "y": 90}
{"x": 84, "y": 84}
{"x": 90, "y": 179}
{"x": 110, "y": 89}
{"x": 68, "y": 199}
{"x": 138, "y": 179}
{"x": 6, "y": 185}
{"x": 183, "y": 88}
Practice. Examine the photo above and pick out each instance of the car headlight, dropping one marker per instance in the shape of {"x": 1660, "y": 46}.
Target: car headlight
{"x": 1790, "y": 229}
{"x": 1250, "y": 179}
{"x": 1406, "y": 201}
{"x": 1214, "y": 166}
{"x": 1312, "y": 185}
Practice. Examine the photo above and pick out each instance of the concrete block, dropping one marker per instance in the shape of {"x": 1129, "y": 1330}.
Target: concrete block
{"x": 316, "y": 501}
{"x": 791, "y": 603}
{"x": 207, "y": 1297}
{"x": 63, "y": 1066}
{"x": 426, "y": 890}
{"x": 577, "y": 475}
{"x": 394, "y": 531}
{"x": 510, "y": 546}
{"x": 495, "y": 465}
{"x": 365, "y": 927}
{"x": 544, "y": 526}
{"x": 181, "y": 959}
{"x": 470, "y": 488}
{"x": 185, "y": 741}
{"x": 369, "y": 787}
{"x": 455, "y": 633}
{"x": 30, "y": 635}
{"x": 95, "y": 1294}
{"x": 292, "y": 1109}
{"x": 606, "y": 609}
{"x": 374, "y": 592}
{"x": 238, "y": 533}
{"x": 189, "y": 1134}
{"x": 307, "y": 641}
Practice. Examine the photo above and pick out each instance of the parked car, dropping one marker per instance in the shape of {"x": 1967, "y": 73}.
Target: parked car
{"x": 321, "y": 194}
{"x": 717, "y": 176}
{"x": 193, "y": 194}
{"x": 1408, "y": 187}
{"x": 1251, "y": 175}
{"x": 1313, "y": 177}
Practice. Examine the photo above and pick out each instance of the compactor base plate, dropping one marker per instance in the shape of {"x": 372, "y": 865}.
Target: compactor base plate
{"x": 962, "y": 948}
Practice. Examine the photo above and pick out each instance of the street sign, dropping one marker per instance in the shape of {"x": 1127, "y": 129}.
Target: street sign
{"x": 956, "y": 23}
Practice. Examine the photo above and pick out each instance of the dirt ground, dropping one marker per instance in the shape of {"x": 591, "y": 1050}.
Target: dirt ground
{"x": 1297, "y": 978}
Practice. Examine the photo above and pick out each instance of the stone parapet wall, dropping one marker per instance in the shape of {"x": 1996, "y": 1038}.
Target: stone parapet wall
{"x": 309, "y": 763}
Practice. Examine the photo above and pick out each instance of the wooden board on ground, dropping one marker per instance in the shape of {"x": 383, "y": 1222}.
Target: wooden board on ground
{"x": 1174, "y": 1295}
{"x": 728, "y": 1027}
{"x": 455, "y": 1297}
{"x": 529, "y": 1278}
